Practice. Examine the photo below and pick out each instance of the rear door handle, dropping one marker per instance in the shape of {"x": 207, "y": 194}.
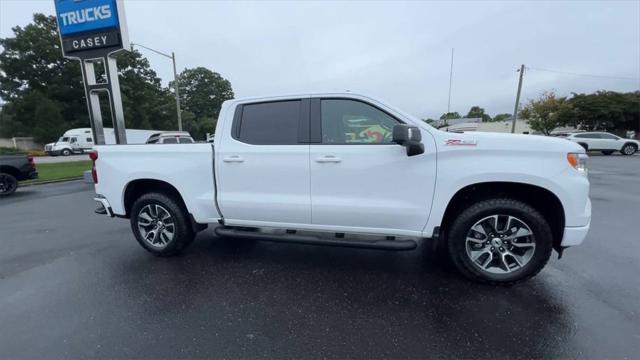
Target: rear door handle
{"x": 233, "y": 159}
{"x": 328, "y": 159}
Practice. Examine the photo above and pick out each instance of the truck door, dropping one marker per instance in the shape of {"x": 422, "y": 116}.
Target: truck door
{"x": 359, "y": 178}
{"x": 263, "y": 167}
{"x": 73, "y": 142}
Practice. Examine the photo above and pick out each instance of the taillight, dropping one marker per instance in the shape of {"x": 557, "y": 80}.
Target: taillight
{"x": 31, "y": 162}
{"x": 93, "y": 155}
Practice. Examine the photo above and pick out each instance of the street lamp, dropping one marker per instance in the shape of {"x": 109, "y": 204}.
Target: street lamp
{"x": 175, "y": 78}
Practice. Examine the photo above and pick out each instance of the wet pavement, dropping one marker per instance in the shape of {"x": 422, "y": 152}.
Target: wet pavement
{"x": 77, "y": 285}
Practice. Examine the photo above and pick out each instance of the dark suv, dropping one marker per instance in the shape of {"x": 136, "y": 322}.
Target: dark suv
{"x": 14, "y": 168}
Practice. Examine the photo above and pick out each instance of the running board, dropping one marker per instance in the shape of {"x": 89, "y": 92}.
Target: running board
{"x": 397, "y": 245}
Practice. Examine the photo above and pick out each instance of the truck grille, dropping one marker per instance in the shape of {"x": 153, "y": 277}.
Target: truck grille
{"x": 47, "y": 148}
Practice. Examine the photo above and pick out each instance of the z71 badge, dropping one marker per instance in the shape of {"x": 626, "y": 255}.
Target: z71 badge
{"x": 453, "y": 142}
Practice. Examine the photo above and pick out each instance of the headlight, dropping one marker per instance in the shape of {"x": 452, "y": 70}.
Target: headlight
{"x": 578, "y": 161}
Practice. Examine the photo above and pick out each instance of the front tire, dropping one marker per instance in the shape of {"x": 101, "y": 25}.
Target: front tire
{"x": 500, "y": 241}
{"x": 8, "y": 184}
{"x": 66, "y": 152}
{"x": 161, "y": 224}
{"x": 629, "y": 149}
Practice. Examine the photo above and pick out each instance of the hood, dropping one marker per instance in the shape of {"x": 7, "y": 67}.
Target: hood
{"x": 501, "y": 141}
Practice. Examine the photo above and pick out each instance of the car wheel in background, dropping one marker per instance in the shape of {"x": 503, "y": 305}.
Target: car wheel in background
{"x": 629, "y": 149}
{"x": 161, "y": 224}
{"x": 607, "y": 152}
{"x": 500, "y": 241}
{"x": 65, "y": 152}
{"x": 585, "y": 146}
{"x": 8, "y": 184}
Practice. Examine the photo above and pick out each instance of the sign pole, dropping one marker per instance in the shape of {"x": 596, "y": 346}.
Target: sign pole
{"x": 115, "y": 99}
{"x": 93, "y": 102}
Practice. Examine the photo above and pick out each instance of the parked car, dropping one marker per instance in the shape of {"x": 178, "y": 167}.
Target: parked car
{"x": 347, "y": 170}
{"x": 14, "y": 168}
{"x": 78, "y": 141}
{"x": 170, "y": 137}
{"x": 604, "y": 142}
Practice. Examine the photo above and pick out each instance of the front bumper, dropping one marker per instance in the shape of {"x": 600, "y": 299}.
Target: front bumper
{"x": 575, "y": 235}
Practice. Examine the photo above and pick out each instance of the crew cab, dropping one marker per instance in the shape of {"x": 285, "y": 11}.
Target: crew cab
{"x": 14, "y": 168}
{"x": 344, "y": 169}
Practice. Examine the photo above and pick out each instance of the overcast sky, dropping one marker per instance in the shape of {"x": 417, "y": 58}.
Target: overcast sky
{"x": 397, "y": 51}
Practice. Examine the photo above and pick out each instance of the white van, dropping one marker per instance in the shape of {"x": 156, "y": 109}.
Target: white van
{"x": 77, "y": 141}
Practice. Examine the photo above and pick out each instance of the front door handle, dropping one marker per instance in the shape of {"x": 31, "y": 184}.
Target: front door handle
{"x": 328, "y": 159}
{"x": 233, "y": 159}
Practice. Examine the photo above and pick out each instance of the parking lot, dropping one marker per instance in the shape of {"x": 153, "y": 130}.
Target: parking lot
{"x": 75, "y": 284}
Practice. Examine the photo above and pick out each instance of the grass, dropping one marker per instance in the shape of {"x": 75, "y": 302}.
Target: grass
{"x": 60, "y": 171}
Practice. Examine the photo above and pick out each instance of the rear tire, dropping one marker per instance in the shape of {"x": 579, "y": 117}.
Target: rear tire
{"x": 8, "y": 184}
{"x": 502, "y": 256}
{"x": 161, "y": 224}
{"x": 629, "y": 149}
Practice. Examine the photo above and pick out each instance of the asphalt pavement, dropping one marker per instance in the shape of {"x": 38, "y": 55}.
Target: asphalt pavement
{"x": 74, "y": 284}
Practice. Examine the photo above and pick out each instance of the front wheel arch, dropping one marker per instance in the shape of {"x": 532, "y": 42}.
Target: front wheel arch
{"x": 626, "y": 145}
{"x": 543, "y": 200}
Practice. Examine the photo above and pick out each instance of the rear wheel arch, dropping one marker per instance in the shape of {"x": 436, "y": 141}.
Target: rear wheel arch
{"x": 136, "y": 188}
{"x": 541, "y": 199}
{"x": 10, "y": 170}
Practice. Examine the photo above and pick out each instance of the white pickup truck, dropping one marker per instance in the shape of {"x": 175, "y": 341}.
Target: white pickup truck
{"x": 343, "y": 169}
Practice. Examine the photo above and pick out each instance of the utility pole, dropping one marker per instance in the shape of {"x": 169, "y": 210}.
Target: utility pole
{"x": 450, "y": 79}
{"x": 175, "y": 79}
{"x": 515, "y": 109}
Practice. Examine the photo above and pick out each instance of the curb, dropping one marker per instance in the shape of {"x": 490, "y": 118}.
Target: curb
{"x": 53, "y": 181}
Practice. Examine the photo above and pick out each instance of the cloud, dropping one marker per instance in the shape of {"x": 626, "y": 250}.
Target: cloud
{"x": 399, "y": 51}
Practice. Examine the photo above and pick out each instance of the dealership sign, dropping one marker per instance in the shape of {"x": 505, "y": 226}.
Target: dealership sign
{"x": 91, "y": 28}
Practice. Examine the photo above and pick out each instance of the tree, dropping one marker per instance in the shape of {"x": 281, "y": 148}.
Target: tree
{"x": 546, "y": 113}
{"x": 478, "y": 112}
{"x": 450, "y": 115}
{"x": 203, "y": 91}
{"x": 604, "y": 110}
{"x": 502, "y": 117}
{"x": 51, "y": 112}
{"x": 33, "y": 71}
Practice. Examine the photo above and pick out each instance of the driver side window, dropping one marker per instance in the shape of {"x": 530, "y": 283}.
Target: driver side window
{"x": 354, "y": 122}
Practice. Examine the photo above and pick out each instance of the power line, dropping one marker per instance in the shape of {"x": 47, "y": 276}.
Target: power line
{"x": 588, "y": 75}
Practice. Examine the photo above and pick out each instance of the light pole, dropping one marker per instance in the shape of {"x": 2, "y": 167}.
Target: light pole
{"x": 515, "y": 110}
{"x": 175, "y": 79}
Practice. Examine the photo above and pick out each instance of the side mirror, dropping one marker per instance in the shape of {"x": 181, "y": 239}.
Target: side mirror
{"x": 409, "y": 137}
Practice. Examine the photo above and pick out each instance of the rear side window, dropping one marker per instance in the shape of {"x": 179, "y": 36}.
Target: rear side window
{"x": 170, "y": 141}
{"x": 272, "y": 123}
{"x": 588, "y": 136}
{"x": 185, "y": 141}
